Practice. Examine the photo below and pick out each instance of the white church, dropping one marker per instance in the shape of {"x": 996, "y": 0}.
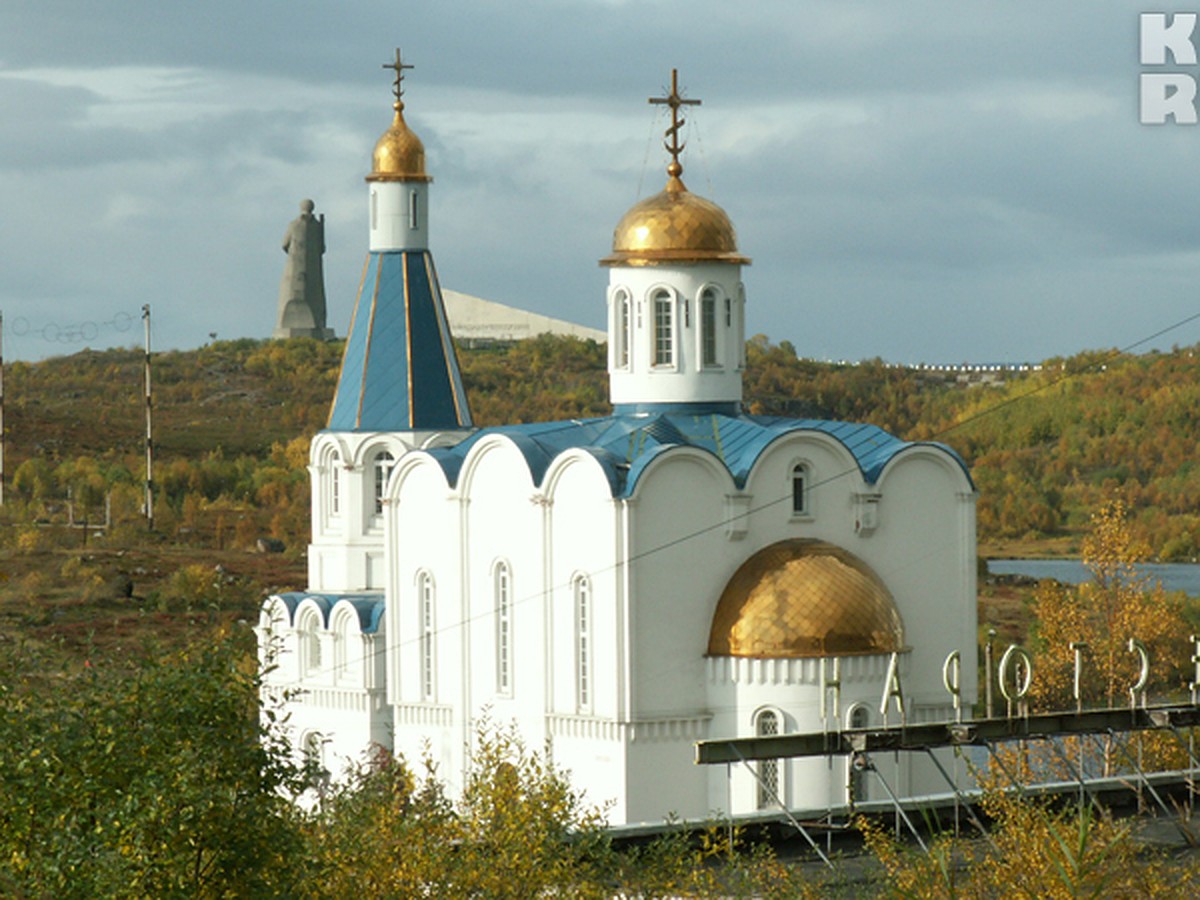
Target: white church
{"x": 616, "y": 588}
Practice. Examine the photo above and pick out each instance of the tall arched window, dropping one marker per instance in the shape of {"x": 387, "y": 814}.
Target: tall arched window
{"x": 383, "y": 468}
{"x": 412, "y": 210}
{"x": 425, "y": 599}
{"x": 335, "y": 484}
{"x": 583, "y": 643}
{"x": 502, "y": 586}
{"x": 621, "y": 329}
{"x": 767, "y": 723}
{"x": 708, "y": 327}
{"x": 310, "y": 645}
{"x": 799, "y": 489}
{"x": 664, "y": 337}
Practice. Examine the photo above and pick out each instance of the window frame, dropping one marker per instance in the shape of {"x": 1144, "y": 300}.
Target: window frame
{"x": 663, "y": 354}
{"x": 502, "y": 597}
{"x": 426, "y": 609}
{"x": 581, "y": 590}
{"x": 800, "y": 485}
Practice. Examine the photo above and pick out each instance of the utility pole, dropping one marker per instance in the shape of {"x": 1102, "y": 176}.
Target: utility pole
{"x": 149, "y": 434}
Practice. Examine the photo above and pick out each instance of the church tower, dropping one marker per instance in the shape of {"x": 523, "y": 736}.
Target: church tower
{"x": 400, "y": 385}
{"x": 676, "y": 303}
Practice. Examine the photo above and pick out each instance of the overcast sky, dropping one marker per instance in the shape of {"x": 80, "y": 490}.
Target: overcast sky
{"x": 920, "y": 181}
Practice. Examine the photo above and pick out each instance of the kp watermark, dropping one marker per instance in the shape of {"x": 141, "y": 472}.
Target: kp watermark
{"x": 1167, "y": 47}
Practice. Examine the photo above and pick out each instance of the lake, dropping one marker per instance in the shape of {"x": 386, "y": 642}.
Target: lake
{"x": 1174, "y": 576}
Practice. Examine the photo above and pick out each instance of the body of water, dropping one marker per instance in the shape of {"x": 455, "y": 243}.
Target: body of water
{"x": 1174, "y": 576}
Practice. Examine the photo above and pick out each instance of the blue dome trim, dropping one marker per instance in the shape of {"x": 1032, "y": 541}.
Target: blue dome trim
{"x": 368, "y": 607}
{"x": 625, "y": 445}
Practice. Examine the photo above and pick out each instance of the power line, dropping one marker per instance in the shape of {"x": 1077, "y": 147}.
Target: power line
{"x": 704, "y": 529}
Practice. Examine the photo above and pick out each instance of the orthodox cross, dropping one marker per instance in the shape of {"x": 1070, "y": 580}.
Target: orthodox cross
{"x": 398, "y": 67}
{"x": 675, "y": 101}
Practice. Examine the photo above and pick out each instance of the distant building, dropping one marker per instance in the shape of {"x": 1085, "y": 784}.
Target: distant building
{"x": 477, "y": 321}
{"x": 620, "y": 587}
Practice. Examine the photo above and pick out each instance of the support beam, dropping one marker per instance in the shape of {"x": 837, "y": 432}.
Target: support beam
{"x": 945, "y": 734}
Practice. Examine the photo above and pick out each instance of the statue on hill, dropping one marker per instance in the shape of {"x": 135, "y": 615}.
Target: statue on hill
{"x": 302, "y": 290}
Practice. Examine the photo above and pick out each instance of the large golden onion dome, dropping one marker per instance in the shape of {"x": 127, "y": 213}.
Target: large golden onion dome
{"x": 674, "y": 225}
{"x": 399, "y": 154}
{"x": 804, "y": 598}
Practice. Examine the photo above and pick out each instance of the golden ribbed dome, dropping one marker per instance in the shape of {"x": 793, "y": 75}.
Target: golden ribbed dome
{"x": 803, "y": 598}
{"x": 399, "y": 154}
{"x": 674, "y": 225}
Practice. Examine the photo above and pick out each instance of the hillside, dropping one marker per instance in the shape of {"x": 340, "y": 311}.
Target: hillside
{"x": 232, "y": 422}
{"x": 232, "y": 419}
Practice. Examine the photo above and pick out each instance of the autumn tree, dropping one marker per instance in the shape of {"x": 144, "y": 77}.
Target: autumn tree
{"x": 1119, "y": 603}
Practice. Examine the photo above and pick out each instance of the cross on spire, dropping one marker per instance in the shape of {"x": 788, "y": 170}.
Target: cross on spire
{"x": 672, "y": 143}
{"x": 397, "y": 86}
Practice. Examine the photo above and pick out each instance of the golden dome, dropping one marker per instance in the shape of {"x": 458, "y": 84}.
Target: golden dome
{"x": 674, "y": 225}
{"x": 399, "y": 154}
{"x": 803, "y": 598}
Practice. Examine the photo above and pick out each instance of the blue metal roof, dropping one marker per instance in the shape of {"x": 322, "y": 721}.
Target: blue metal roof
{"x": 368, "y": 606}
{"x": 399, "y": 370}
{"x": 625, "y": 444}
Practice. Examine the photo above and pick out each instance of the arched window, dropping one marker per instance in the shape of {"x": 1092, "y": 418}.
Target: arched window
{"x": 502, "y": 587}
{"x": 767, "y": 723}
{"x": 583, "y": 643}
{"x": 335, "y": 484}
{"x": 310, "y": 645}
{"x": 800, "y": 490}
{"x": 425, "y": 599}
{"x": 857, "y": 782}
{"x": 621, "y": 329}
{"x": 313, "y": 747}
{"x": 708, "y": 327}
{"x": 412, "y": 210}
{"x": 664, "y": 337}
{"x": 383, "y": 468}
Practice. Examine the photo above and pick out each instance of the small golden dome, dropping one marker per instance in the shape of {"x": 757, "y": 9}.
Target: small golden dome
{"x": 804, "y": 598}
{"x": 399, "y": 154}
{"x": 674, "y": 225}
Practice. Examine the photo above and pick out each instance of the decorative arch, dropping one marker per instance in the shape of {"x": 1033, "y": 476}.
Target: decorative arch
{"x": 945, "y": 458}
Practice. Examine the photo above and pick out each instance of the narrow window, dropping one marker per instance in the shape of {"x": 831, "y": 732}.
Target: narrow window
{"x": 312, "y": 646}
{"x": 374, "y": 210}
{"x": 664, "y": 348}
{"x": 768, "y": 769}
{"x": 383, "y": 468}
{"x": 425, "y": 596}
{"x": 412, "y": 210}
{"x": 621, "y": 330}
{"x": 800, "y": 490}
{"x": 708, "y": 328}
{"x": 503, "y": 589}
{"x": 728, "y": 312}
{"x": 335, "y": 485}
{"x": 583, "y": 643}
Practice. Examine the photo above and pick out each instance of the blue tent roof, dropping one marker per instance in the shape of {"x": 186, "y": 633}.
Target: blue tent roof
{"x": 625, "y": 444}
{"x": 399, "y": 370}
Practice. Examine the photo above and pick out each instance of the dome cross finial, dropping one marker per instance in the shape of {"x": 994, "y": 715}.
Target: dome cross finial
{"x": 397, "y": 86}
{"x": 672, "y": 143}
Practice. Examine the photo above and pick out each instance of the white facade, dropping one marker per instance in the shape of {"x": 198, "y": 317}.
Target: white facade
{"x": 586, "y": 581}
